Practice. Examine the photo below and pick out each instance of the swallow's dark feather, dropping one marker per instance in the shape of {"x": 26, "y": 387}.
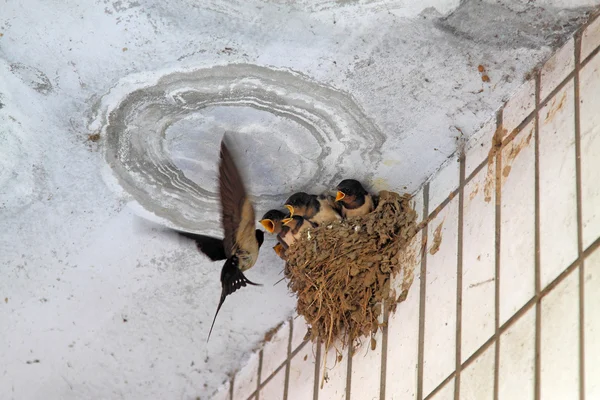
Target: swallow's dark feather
{"x": 212, "y": 247}
{"x": 231, "y": 280}
{"x": 233, "y": 202}
{"x": 260, "y": 237}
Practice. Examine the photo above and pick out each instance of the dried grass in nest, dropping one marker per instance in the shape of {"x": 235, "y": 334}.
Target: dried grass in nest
{"x": 341, "y": 273}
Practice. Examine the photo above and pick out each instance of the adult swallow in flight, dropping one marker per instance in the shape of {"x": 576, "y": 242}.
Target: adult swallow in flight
{"x": 316, "y": 209}
{"x": 239, "y": 248}
{"x": 272, "y": 221}
{"x": 356, "y": 201}
{"x": 296, "y": 225}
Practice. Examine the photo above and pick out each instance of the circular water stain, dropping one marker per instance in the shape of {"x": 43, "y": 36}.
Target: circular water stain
{"x": 263, "y": 142}
{"x": 287, "y": 132}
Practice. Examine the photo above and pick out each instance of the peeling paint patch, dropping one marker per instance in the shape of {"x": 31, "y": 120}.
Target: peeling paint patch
{"x": 32, "y": 77}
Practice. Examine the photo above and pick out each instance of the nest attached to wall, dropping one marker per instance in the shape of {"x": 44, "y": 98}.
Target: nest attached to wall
{"x": 342, "y": 272}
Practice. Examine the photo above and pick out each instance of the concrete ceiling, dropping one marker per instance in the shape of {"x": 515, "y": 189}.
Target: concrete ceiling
{"x": 311, "y": 91}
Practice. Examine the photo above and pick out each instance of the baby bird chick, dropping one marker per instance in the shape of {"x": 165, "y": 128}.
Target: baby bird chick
{"x": 272, "y": 221}
{"x": 355, "y": 200}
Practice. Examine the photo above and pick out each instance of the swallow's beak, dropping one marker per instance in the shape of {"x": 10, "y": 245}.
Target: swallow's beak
{"x": 339, "y": 196}
{"x": 291, "y": 209}
{"x": 286, "y": 221}
{"x": 268, "y": 225}
{"x": 279, "y": 249}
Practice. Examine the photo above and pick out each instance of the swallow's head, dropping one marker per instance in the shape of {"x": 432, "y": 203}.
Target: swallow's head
{"x": 271, "y": 221}
{"x": 349, "y": 190}
{"x": 298, "y": 203}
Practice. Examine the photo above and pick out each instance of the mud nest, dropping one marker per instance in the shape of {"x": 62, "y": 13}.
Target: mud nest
{"x": 342, "y": 272}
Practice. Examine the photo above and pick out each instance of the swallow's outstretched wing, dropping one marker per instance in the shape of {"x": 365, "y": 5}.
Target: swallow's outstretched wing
{"x": 237, "y": 211}
{"x": 212, "y": 247}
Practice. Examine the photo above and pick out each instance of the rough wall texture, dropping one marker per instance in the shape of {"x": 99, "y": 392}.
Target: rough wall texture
{"x": 381, "y": 90}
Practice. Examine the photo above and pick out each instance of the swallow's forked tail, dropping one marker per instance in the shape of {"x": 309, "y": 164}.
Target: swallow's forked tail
{"x": 232, "y": 278}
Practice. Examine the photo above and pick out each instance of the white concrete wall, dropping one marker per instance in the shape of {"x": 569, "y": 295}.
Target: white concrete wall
{"x": 382, "y": 90}
{"x": 517, "y": 271}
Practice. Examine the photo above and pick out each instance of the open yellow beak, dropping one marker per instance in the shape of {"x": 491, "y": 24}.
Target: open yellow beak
{"x": 291, "y": 209}
{"x": 286, "y": 221}
{"x": 339, "y": 196}
{"x": 278, "y": 249}
{"x": 268, "y": 225}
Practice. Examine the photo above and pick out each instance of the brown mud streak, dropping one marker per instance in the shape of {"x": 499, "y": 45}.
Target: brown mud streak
{"x": 513, "y": 149}
{"x": 474, "y": 191}
{"x": 270, "y": 334}
{"x": 554, "y": 108}
{"x": 490, "y": 176}
{"x": 437, "y": 239}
